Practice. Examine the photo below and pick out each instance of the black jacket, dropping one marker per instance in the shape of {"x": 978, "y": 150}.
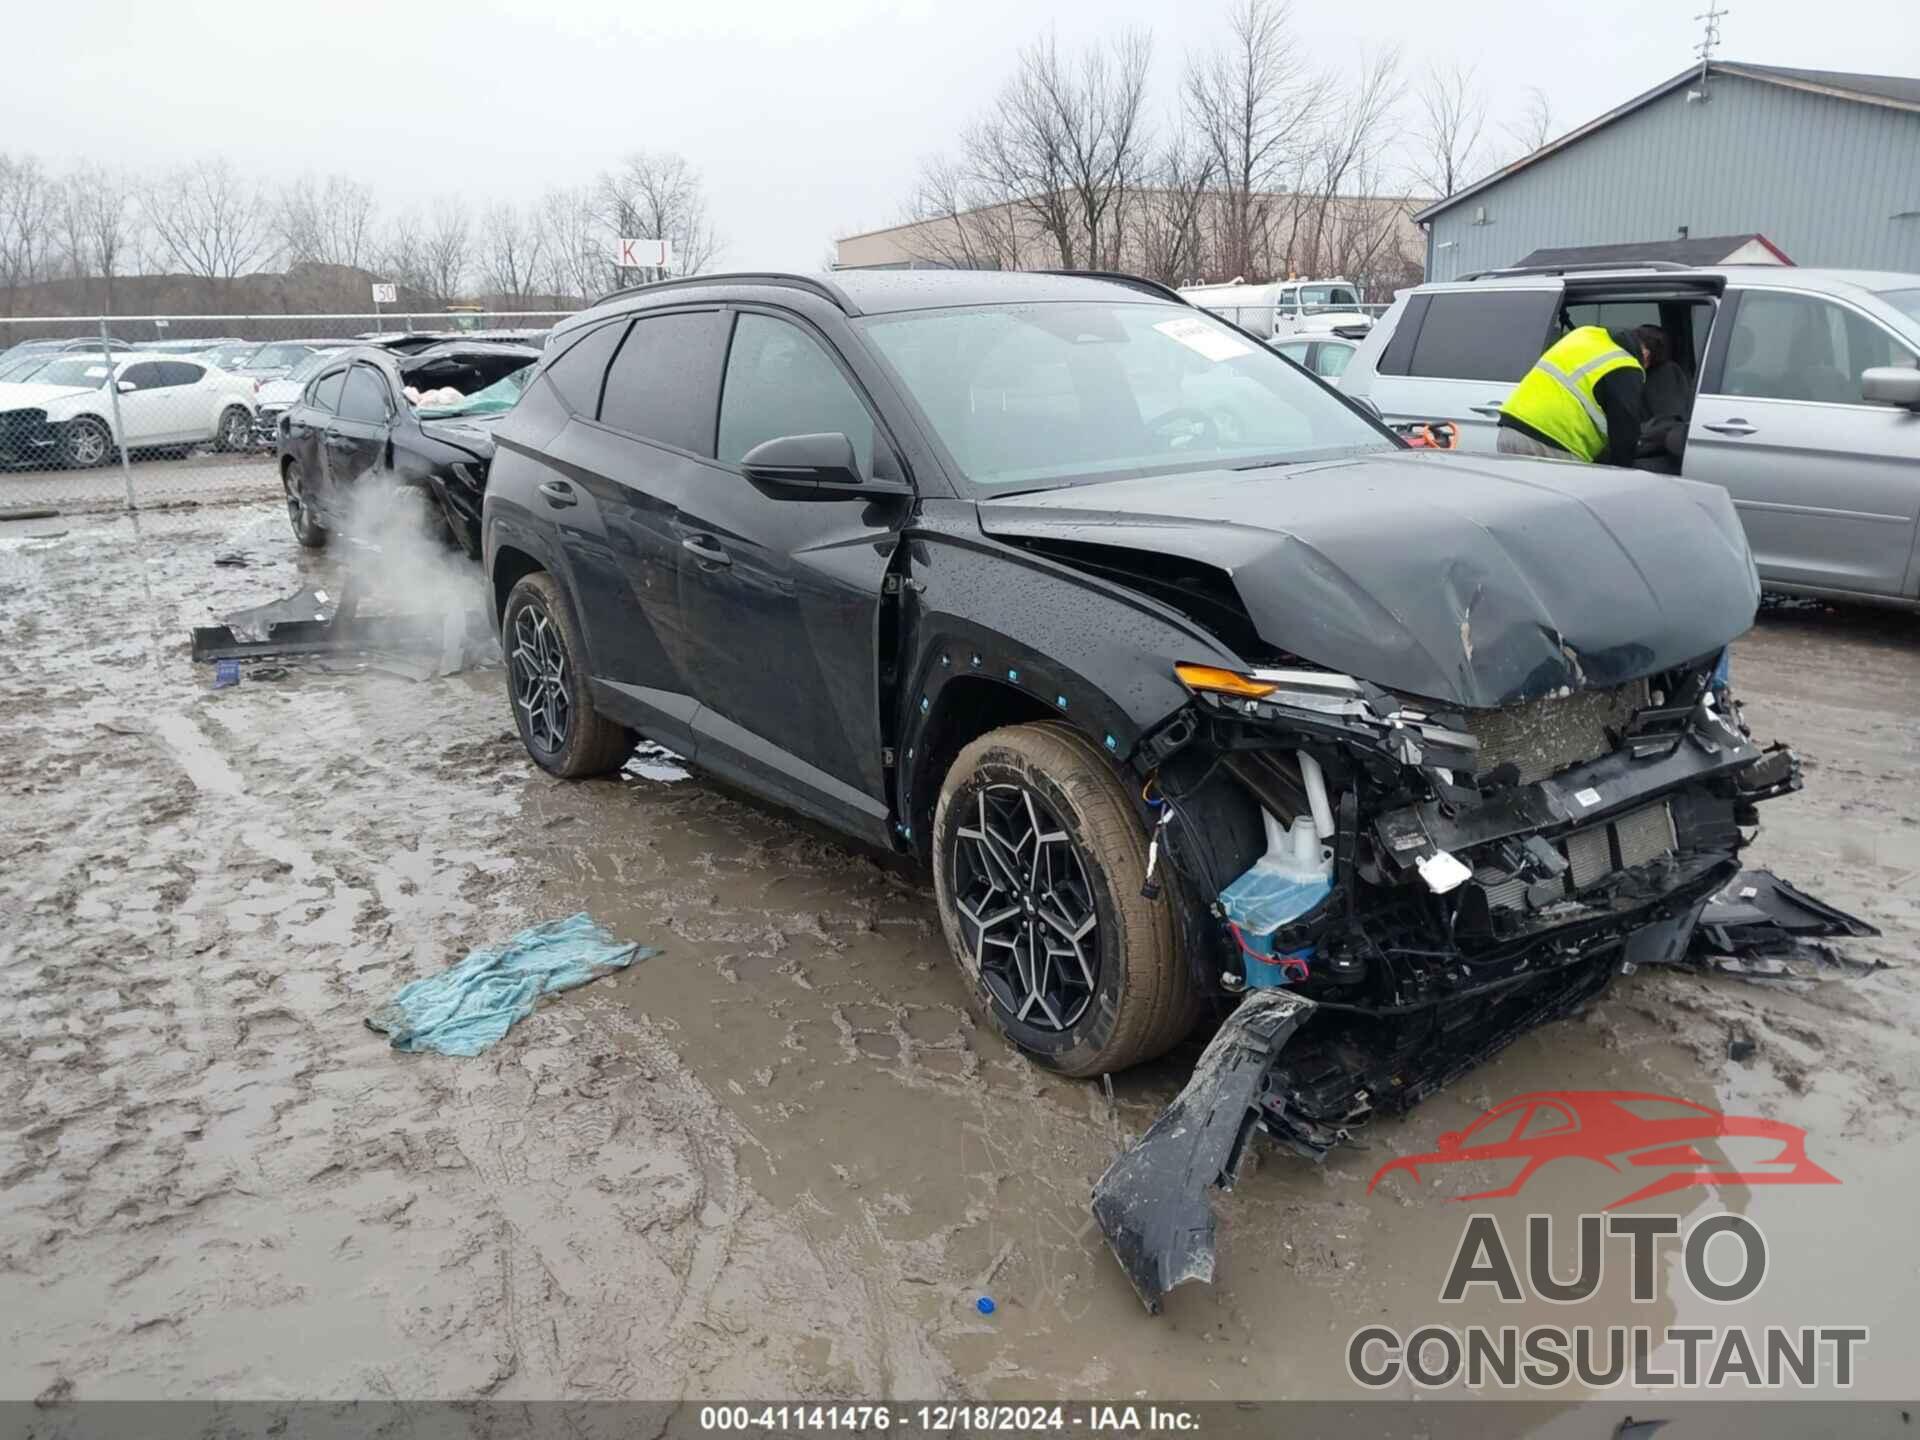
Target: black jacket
{"x": 1622, "y": 397}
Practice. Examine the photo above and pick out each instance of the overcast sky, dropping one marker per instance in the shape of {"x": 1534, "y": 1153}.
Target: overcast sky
{"x": 806, "y": 117}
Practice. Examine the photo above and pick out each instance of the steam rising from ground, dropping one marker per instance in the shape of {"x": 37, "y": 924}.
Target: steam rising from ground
{"x": 403, "y": 563}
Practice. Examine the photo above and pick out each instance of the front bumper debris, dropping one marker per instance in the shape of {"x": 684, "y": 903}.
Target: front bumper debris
{"x": 1152, "y": 1202}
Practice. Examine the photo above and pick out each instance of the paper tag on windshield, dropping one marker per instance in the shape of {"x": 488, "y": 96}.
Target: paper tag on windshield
{"x": 96, "y": 372}
{"x": 1197, "y": 335}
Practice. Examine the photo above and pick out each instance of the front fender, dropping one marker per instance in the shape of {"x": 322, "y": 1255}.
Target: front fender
{"x": 1099, "y": 656}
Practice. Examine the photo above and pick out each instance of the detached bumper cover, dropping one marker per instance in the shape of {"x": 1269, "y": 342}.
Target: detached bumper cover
{"x": 1152, "y": 1202}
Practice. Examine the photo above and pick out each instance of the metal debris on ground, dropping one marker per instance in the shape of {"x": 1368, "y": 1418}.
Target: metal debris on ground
{"x": 465, "y": 1010}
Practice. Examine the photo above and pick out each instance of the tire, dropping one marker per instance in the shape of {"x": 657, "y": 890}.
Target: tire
{"x": 85, "y": 444}
{"x": 235, "y": 431}
{"x": 307, "y": 528}
{"x": 547, "y": 686}
{"x": 1141, "y": 1000}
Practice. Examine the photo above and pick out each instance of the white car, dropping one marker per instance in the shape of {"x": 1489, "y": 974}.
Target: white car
{"x": 275, "y": 397}
{"x": 64, "y": 414}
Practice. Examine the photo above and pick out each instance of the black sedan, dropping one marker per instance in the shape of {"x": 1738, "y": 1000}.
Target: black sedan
{"x": 357, "y": 422}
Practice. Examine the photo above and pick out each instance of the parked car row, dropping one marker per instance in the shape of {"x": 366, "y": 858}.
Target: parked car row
{"x": 57, "y": 410}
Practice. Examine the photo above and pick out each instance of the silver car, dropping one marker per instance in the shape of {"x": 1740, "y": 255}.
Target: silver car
{"x": 1797, "y": 390}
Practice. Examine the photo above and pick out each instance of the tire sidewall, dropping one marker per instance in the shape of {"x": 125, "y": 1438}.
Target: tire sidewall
{"x": 69, "y": 450}
{"x": 244, "y": 429}
{"x": 1060, "y": 1049}
{"x": 293, "y": 479}
{"x": 540, "y": 590}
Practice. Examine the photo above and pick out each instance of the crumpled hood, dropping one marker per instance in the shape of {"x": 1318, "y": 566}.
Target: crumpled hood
{"x": 1474, "y": 580}
{"x": 472, "y": 433}
{"x": 279, "y": 392}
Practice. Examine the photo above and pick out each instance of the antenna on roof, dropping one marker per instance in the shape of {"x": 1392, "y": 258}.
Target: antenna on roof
{"x": 1709, "y": 42}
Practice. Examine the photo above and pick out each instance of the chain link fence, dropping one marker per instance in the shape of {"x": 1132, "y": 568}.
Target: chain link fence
{"x": 107, "y": 413}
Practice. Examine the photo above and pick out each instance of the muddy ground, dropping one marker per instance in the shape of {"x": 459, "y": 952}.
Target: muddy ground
{"x": 779, "y": 1159}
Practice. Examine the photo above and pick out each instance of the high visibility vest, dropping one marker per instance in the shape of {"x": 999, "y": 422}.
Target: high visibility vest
{"x": 1556, "y": 398}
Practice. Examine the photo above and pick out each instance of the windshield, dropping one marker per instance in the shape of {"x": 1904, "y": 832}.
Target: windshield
{"x": 492, "y": 400}
{"x": 228, "y": 357}
{"x": 1327, "y": 297}
{"x": 21, "y": 367}
{"x": 310, "y": 367}
{"x": 1036, "y": 395}
{"x": 1907, "y": 302}
{"x": 269, "y": 357}
{"x": 86, "y": 371}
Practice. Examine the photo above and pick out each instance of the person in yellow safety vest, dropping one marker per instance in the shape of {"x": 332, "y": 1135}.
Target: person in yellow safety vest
{"x": 1584, "y": 398}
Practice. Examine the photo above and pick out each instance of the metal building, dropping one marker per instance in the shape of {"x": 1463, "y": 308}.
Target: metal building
{"x": 1825, "y": 165}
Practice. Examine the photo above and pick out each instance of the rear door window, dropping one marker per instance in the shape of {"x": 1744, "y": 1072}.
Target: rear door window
{"x": 180, "y": 372}
{"x": 665, "y": 381}
{"x": 365, "y": 397}
{"x": 1482, "y": 334}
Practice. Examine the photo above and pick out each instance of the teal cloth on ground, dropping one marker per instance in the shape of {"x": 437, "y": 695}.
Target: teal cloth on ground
{"x": 464, "y": 1010}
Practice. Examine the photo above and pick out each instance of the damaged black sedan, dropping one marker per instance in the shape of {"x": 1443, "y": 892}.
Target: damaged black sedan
{"x": 399, "y": 420}
{"x": 1200, "y": 694}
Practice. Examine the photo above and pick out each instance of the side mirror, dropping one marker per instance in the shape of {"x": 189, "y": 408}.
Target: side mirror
{"x": 127, "y": 387}
{"x": 820, "y": 465}
{"x": 1891, "y": 385}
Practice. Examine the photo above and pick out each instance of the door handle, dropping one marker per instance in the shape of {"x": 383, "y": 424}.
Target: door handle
{"x": 1492, "y": 407}
{"x": 1735, "y": 426}
{"x": 559, "y": 494}
{"x": 703, "y": 549}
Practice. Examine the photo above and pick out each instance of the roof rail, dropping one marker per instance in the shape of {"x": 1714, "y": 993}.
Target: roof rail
{"x": 1120, "y": 277}
{"x": 813, "y": 284}
{"x": 1576, "y": 268}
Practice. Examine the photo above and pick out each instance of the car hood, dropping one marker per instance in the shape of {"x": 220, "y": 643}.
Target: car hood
{"x": 1472, "y": 580}
{"x": 279, "y": 392}
{"x": 16, "y": 397}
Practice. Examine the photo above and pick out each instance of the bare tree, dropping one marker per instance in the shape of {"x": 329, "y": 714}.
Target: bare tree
{"x": 512, "y": 244}
{"x": 1449, "y": 128}
{"x": 576, "y": 253}
{"x": 1533, "y": 128}
{"x": 1166, "y": 230}
{"x": 446, "y": 249}
{"x": 26, "y": 223}
{"x": 1256, "y": 104}
{"x": 963, "y": 217}
{"x": 657, "y": 195}
{"x": 328, "y": 222}
{"x": 1090, "y": 114}
{"x": 1343, "y": 163}
{"x": 211, "y": 221}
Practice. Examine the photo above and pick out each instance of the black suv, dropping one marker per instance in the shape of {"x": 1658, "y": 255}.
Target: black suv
{"x": 1089, "y": 600}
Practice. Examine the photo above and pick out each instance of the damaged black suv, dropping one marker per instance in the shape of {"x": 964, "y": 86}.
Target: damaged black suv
{"x": 1190, "y": 682}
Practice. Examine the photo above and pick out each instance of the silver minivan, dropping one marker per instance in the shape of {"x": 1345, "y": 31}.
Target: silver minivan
{"x": 1797, "y": 390}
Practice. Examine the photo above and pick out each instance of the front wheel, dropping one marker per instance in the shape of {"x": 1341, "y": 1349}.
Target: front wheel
{"x": 547, "y": 681}
{"x": 85, "y": 443}
{"x": 1038, "y": 862}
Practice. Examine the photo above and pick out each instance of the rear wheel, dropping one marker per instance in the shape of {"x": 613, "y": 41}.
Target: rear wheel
{"x": 307, "y": 528}
{"x": 85, "y": 443}
{"x": 1038, "y": 862}
{"x": 547, "y": 681}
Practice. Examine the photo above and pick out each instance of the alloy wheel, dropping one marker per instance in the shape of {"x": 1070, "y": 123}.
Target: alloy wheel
{"x": 1026, "y": 907}
{"x": 295, "y": 487}
{"x": 539, "y": 666}
{"x": 88, "y": 445}
{"x": 237, "y": 429}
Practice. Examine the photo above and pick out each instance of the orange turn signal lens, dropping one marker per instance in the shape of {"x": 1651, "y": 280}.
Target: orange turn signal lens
{"x": 1222, "y": 682}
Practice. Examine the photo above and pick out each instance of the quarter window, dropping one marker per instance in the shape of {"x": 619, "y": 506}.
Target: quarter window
{"x": 1493, "y": 335}
{"x": 579, "y": 373}
{"x": 781, "y": 382}
{"x": 324, "y": 394}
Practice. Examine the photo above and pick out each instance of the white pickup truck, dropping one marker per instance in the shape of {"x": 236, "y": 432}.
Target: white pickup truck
{"x": 1289, "y": 307}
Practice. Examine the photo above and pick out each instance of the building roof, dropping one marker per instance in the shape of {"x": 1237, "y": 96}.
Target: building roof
{"x": 1892, "y": 92}
{"x": 1694, "y": 250}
